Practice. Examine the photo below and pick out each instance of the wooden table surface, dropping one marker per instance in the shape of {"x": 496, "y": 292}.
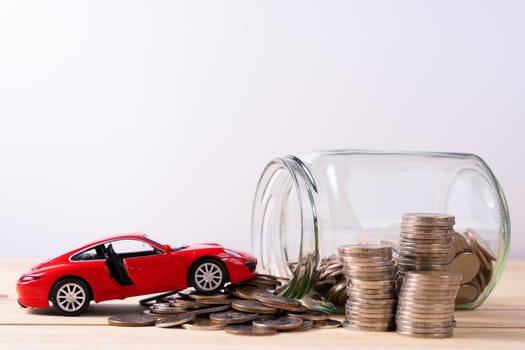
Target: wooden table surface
{"x": 499, "y": 323}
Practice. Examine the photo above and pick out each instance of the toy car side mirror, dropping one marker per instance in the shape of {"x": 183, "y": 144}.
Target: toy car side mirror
{"x": 167, "y": 248}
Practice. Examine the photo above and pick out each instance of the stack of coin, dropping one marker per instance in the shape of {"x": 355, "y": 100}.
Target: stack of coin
{"x": 371, "y": 286}
{"x": 473, "y": 260}
{"x": 426, "y": 304}
{"x": 426, "y": 242}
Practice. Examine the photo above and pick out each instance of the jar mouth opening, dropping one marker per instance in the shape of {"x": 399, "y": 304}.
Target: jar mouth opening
{"x": 285, "y": 230}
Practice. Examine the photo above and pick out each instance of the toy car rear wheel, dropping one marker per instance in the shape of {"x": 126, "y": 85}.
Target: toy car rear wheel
{"x": 208, "y": 276}
{"x": 71, "y": 296}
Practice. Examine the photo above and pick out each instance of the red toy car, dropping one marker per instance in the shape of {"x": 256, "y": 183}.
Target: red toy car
{"x": 129, "y": 265}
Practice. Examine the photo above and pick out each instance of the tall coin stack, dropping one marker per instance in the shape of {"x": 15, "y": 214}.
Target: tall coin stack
{"x": 370, "y": 286}
{"x": 426, "y": 304}
{"x": 426, "y": 242}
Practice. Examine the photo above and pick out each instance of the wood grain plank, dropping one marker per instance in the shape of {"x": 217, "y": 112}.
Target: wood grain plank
{"x": 499, "y": 323}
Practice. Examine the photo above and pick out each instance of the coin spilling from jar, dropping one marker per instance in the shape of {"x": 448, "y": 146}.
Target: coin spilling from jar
{"x": 468, "y": 254}
{"x": 249, "y": 308}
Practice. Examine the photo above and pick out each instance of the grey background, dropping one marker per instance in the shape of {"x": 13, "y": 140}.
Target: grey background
{"x": 158, "y": 116}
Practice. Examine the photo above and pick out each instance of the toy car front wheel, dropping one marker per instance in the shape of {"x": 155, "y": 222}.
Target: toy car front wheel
{"x": 208, "y": 276}
{"x": 70, "y": 296}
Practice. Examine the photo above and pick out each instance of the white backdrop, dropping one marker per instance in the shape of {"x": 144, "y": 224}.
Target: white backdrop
{"x": 158, "y": 116}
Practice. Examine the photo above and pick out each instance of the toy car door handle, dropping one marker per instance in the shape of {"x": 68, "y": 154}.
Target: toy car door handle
{"x": 135, "y": 268}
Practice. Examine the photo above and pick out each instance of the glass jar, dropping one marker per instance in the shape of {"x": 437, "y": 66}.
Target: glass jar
{"x": 304, "y": 208}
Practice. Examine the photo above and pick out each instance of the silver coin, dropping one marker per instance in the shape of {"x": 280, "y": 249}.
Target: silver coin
{"x": 367, "y": 329}
{"x": 423, "y": 318}
{"x": 402, "y": 317}
{"x": 423, "y": 313}
{"x": 151, "y": 314}
{"x": 422, "y": 260}
{"x": 280, "y": 302}
{"x": 312, "y": 315}
{"x": 388, "y": 284}
{"x": 358, "y": 315}
{"x": 422, "y": 294}
{"x": 369, "y": 277}
{"x": 430, "y": 252}
{"x": 201, "y": 297}
{"x": 307, "y": 324}
{"x": 422, "y": 236}
{"x": 131, "y": 320}
{"x": 365, "y": 250}
{"x": 276, "y": 299}
{"x": 365, "y": 305}
{"x": 372, "y": 293}
{"x": 280, "y": 323}
{"x": 369, "y": 323}
{"x": 266, "y": 281}
{"x": 379, "y": 296}
{"x": 360, "y": 270}
{"x": 169, "y": 310}
{"x": 252, "y": 306}
{"x": 426, "y": 227}
{"x": 360, "y": 309}
{"x": 209, "y": 310}
{"x": 208, "y": 302}
{"x": 364, "y": 260}
{"x": 189, "y": 304}
{"x": 430, "y": 324}
{"x": 426, "y": 257}
{"x": 445, "y": 334}
{"x": 173, "y": 321}
{"x": 440, "y": 239}
{"x": 405, "y": 327}
{"x": 203, "y": 324}
{"x": 327, "y": 324}
{"x": 248, "y": 292}
{"x": 429, "y": 217}
{"x": 232, "y": 316}
{"x": 382, "y": 302}
{"x": 426, "y": 304}
{"x": 431, "y": 277}
{"x": 426, "y": 285}
{"x": 430, "y": 245}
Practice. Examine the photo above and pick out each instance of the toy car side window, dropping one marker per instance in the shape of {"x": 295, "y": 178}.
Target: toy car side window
{"x": 86, "y": 255}
{"x": 130, "y": 248}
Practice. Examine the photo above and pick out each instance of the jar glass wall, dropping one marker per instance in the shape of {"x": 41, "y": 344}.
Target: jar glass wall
{"x": 305, "y": 207}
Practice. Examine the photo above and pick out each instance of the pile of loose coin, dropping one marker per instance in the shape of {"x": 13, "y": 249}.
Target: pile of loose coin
{"x": 473, "y": 260}
{"x": 371, "y": 286}
{"x": 329, "y": 281}
{"x": 426, "y": 304}
{"x": 249, "y": 308}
